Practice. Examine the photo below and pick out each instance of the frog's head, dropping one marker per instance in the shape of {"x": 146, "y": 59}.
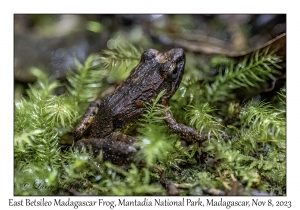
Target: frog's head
{"x": 172, "y": 68}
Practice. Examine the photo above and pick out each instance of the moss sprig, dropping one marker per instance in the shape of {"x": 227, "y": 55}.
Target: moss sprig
{"x": 263, "y": 117}
{"x": 88, "y": 80}
{"x": 155, "y": 142}
{"x": 251, "y": 72}
{"x": 121, "y": 54}
{"x": 199, "y": 117}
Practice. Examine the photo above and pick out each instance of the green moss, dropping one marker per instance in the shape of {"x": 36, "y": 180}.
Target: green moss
{"x": 254, "y": 154}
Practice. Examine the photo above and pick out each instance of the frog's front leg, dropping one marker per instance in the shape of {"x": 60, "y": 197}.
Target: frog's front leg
{"x": 185, "y": 132}
{"x": 117, "y": 148}
{"x": 87, "y": 120}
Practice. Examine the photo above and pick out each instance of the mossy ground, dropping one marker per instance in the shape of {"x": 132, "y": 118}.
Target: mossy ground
{"x": 222, "y": 103}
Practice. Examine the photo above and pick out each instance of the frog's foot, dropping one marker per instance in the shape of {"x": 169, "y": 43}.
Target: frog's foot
{"x": 118, "y": 151}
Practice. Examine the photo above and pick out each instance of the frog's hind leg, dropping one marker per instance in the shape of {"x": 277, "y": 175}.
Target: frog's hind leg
{"x": 87, "y": 120}
{"x": 117, "y": 148}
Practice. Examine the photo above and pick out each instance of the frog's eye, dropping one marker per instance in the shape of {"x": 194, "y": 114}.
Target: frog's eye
{"x": 175, "y": 71}
{"x": 149, "y": 54}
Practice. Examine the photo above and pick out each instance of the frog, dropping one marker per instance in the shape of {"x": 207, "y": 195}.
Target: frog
{"x": 156, "y": 72}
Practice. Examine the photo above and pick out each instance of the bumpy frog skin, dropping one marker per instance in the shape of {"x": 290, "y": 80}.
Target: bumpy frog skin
{"x": 155, "y": 72}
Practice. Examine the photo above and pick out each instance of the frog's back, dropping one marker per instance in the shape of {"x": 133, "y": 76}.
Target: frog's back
{"x": 126, "y": 103}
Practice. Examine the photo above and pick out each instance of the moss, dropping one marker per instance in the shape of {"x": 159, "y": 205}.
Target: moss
{"x": 254, "y": 154}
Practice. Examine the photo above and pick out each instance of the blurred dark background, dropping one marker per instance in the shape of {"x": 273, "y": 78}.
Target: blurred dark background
{"x": 51, "y": 42}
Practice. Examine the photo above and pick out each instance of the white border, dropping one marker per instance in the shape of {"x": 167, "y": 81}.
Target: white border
{"x": 152, "y": 6}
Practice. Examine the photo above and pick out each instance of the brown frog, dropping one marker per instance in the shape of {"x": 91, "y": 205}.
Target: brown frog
{"x": 155, "y": 72}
